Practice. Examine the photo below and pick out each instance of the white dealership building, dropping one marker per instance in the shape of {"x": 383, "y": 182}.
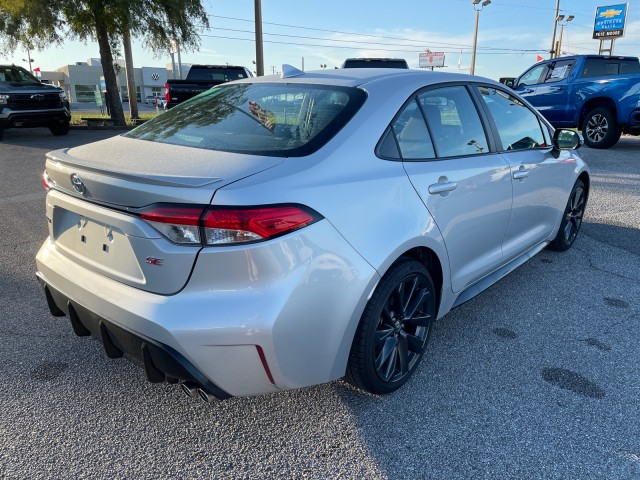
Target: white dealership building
{"x": 82, "y": 79}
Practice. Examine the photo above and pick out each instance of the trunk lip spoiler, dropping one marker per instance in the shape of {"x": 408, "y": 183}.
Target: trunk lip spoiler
{"x": 62, "y": 157}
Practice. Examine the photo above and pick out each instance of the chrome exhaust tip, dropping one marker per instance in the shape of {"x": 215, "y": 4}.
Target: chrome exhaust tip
{"x": 189, "y": 389}
{"x": 206, "y": 396}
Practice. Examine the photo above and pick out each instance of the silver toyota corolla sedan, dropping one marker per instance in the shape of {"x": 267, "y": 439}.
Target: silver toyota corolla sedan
{"x": 275, "y": 233}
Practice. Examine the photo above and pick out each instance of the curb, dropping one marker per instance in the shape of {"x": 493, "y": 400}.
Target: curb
{"x": 98, "y": 127}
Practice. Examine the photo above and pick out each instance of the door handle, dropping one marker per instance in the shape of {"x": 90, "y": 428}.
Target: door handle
{"x": 439, "y": 188}
{"x": 521, "y": 174}
{"x": 529, "y": 90}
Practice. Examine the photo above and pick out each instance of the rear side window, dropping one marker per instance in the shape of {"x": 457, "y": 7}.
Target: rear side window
{"x": 453, "y": 121}
{"x": 518, "y": 127}
{"x": 558, "y": 70}
{"x": 261, "y": 119}
{"x": 411, "y": 132}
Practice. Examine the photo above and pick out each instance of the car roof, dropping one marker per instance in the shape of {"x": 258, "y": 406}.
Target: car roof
{"x": 355, "y": 77}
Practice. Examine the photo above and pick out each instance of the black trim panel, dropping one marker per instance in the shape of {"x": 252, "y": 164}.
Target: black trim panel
{"x": 161, "y": 362}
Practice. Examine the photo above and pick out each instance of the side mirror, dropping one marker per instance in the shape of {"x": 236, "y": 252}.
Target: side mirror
{"x": 565, "y": 139}
{"x": 510, "y": 83}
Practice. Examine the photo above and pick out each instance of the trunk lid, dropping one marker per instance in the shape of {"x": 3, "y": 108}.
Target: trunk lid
{"x": 97, "y": 188}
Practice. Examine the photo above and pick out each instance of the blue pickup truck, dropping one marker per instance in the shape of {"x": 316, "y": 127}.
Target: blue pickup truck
{"x": 597, "y": 94}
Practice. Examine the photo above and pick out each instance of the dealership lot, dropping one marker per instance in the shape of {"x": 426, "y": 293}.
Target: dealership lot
{"x": 538, "y": 377}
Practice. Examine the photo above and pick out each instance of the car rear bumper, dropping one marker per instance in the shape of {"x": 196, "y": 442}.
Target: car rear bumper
{"x": 251, "y": 320}
{"x": 161, "y": 362}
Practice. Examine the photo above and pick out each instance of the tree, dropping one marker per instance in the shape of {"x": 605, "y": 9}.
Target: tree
{"x": 41, "y": 23}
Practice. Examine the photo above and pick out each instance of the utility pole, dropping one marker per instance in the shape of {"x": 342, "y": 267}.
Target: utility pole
{"x": 259, "y": 55}
{"x": 555, "y": 26}
{"x": 478, "y": 8}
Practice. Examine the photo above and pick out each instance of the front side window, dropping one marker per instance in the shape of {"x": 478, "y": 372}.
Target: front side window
{"x": 518, "y": 127}
{"x": 263, "y": 119}
{"x": 532, "y": 77}
{"x": 453, "y": 121}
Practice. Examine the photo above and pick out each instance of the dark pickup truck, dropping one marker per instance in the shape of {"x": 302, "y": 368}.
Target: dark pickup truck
{"x": 26, "y": 102}
{"x": 595, "y": 93}
{"x": 199, "y": 79}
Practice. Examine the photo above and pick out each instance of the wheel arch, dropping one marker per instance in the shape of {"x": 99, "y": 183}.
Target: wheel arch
{"x": 430, "y": 260}
{"x": 439, "y": 275}
{"x": 586, "y": 180}
{"x": 599, "y": 102}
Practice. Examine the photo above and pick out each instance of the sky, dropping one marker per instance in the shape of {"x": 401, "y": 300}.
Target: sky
{"x": 511, "y": 34}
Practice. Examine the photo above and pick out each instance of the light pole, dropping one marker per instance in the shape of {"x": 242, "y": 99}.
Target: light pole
{"x": 477, "y": 6}
{"x": 563, "y": 23}
{"x": 30, "y": 61}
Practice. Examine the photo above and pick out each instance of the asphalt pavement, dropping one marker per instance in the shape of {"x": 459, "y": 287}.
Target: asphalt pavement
{"x": 537, "y": 378}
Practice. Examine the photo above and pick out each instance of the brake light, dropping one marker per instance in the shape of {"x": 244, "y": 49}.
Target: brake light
{"x": 47, "y": 183}
{"x": 198, "y": 225}
{"x": 178, "y": 224}
{"x": 223, "y": 226}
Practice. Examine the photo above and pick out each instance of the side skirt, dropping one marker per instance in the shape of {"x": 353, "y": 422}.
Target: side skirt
{"x": 485, "y": 282}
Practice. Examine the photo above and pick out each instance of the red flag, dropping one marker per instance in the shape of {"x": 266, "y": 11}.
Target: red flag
{"x": 539, "y": 58}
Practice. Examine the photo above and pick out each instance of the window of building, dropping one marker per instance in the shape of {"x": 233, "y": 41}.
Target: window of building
{"x": 85, "y": 93}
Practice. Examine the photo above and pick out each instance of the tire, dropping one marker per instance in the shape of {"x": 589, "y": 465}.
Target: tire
{"x": 571, "y": 219}
{"x": 394, "y": 329}
{"x": 59, "y": 129}
{"x": 1, "y": 133}
{"x": 600, "y": 129}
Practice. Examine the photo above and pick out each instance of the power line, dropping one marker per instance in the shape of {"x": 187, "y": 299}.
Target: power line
{"x": 421, "y": 42}
{"x": 515, "y": 52}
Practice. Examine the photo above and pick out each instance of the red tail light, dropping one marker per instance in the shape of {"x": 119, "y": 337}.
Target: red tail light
{"x": 179, "y": 224}
{"x": 47, "y": 183}
{"x": 224, "y": 226}
{"x": 166, "y": 92}
{"x": 227, "y": 226}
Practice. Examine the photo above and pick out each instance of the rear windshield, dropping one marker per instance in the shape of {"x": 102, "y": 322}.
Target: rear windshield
{"x": 262, "y": 119}
{"x": 375, "y": 63}
{"x": 216, "y": 74}
{"x": 600, "y": 67}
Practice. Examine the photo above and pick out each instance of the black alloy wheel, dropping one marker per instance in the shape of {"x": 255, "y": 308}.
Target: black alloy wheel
{"x": 393, "y": 332}
{"x": 600, "y": 129}
{"x": 572, "y": 218}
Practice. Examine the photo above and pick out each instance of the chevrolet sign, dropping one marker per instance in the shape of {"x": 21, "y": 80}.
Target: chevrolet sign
{"x": 609, "y": 22}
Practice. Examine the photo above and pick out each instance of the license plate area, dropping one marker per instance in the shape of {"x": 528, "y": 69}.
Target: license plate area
{"x": 101, "y": 247}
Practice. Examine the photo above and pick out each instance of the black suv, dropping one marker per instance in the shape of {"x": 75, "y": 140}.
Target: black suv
{"x": 26, "y": 102}
{"x": 375, "y": 63}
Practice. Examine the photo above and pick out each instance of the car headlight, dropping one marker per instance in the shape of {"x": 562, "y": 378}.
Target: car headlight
{"x": 4, "y": 99}
{"x": 63, "y": 96}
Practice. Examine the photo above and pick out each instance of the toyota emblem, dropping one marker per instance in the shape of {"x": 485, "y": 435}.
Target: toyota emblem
{"x": 78, "y": 184}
